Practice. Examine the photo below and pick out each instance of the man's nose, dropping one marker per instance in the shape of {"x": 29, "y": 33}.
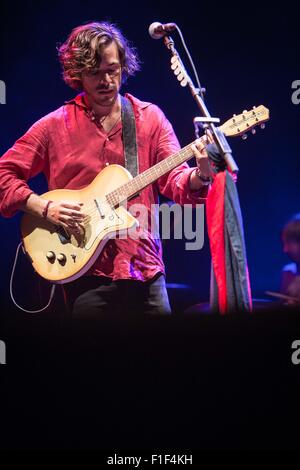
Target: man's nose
{"x": 105, "y": 78}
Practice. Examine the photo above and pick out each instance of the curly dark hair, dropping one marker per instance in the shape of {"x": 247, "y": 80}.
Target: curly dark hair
{"x": 82, "y": 51}
{"x": 291, "y": 230}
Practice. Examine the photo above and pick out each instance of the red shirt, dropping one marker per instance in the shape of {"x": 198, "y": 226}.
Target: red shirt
{"x": 70, "y": 149}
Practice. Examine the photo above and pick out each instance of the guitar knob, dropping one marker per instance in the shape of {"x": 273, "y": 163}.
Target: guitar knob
{"x": 61, "y": 258}
{"x": 50, "y": 255}
{"x": 244, "y": 136}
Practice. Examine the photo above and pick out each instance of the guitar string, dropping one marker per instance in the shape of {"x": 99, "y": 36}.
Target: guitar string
{"x": 94, "y": 211}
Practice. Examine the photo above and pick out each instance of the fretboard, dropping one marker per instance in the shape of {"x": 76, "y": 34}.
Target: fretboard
{"x": 142, "y": 180}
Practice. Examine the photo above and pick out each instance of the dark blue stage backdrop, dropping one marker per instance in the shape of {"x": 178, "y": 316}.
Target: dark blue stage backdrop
{"x": 244, "y": 57}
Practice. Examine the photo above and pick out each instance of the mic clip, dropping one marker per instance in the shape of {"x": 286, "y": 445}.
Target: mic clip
{"x": 203, "y": 122}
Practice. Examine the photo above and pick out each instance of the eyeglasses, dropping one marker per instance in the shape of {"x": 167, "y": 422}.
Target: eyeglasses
{"x": 112, "y": 73}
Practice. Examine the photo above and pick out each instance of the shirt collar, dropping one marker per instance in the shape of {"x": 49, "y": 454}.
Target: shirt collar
{"x": 138, "y": 105}
{"x": 78, "y": 100}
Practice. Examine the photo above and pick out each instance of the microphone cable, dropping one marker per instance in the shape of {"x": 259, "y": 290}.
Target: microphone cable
{"x": 191, "y": 60}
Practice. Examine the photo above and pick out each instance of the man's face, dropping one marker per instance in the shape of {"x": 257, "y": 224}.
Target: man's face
{"x": 292, "y": 249}
{"x": 102, "y": 85}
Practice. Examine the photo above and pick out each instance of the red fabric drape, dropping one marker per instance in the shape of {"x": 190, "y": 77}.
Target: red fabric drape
{"x": 215, "y": 225}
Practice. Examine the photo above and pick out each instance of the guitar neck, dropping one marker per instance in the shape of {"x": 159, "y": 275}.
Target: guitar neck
{"x": 238, "y": 125}
{"x": 142, "y": 180}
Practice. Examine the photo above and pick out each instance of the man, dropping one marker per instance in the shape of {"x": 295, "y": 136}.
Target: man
{"x": 74, "y": 143}
{"x": 290, "y": 275}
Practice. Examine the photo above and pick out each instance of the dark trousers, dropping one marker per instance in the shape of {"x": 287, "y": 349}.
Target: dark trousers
{"x": 94, "y": 297}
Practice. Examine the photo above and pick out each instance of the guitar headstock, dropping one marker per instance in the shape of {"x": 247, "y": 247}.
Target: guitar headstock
{"x": 246, "y": 121}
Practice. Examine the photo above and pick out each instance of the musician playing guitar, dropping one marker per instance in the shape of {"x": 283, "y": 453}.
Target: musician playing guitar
{"x": 72, "y": 145}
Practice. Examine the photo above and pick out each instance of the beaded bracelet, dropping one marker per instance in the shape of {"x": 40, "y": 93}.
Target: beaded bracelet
{"x": 45, "y": 210}
{"x": 206, "y": 180}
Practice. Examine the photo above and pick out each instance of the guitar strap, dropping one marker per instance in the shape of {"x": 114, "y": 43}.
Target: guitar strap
{"x": 129, "y": 136}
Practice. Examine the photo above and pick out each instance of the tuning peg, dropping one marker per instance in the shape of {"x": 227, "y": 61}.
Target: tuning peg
{"x": 244, "y": 136}
{"x": 253, "y": 131}
{"x": 262, "y": 126}
{"x": 245, "y": 111}
{"x": 254, "y": 107}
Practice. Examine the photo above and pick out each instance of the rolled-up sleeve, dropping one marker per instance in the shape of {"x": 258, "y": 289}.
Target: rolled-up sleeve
{"x": 175, "y": 185}
{"x": 21, "y": 162}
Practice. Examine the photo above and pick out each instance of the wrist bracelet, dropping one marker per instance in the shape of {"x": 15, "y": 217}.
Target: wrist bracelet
{"x": 206, "y": 180}
{"x": 45, "y": 210}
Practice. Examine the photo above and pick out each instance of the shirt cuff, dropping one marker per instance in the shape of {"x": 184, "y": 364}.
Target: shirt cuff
{"x": 196, "y": 197}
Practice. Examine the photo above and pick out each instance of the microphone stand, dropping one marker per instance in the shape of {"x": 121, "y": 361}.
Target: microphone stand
{"x": 218, "y": 136}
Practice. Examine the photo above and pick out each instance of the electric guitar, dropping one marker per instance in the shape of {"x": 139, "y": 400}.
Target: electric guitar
{"x": 61, "y": 257}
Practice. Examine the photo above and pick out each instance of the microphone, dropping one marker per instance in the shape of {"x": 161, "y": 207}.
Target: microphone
{"x": 158, "y": 30}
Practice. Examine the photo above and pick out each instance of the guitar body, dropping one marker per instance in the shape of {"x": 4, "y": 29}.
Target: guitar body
{"x": 61, "y": 258}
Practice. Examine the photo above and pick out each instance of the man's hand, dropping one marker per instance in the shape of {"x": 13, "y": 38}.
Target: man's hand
{"x": 199, "y": 150}
{"x": 200, "y": 153}
{"x": 202, "y": 161}
{"x": 67, "y": 214}
{"x": 205, "y": 165}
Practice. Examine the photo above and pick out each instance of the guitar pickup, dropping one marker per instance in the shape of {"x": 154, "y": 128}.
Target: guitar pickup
{"x": 99, "y": 209}
{"x": 63, "y": 235}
